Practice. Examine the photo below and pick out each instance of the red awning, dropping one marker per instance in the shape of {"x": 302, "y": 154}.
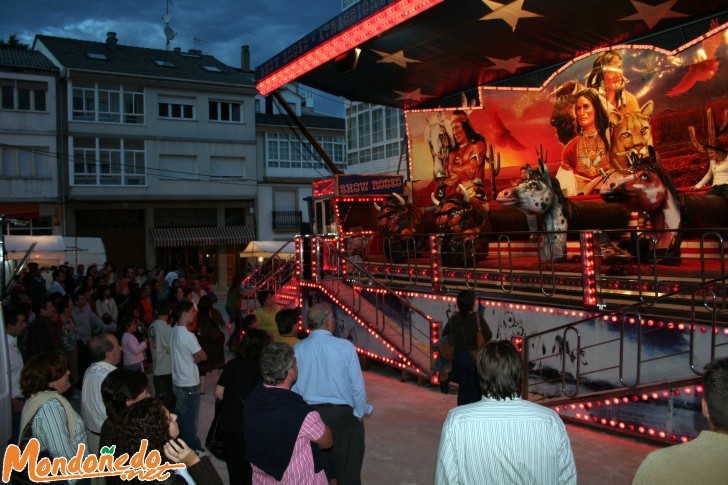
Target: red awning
{"x": 20, "y": 211}
{"x": 201, "y": 236}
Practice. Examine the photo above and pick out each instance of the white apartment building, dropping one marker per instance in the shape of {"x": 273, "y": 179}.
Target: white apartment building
{"x": 158, "y": 152}
{"x": 29, "y": 177}
{"x": 288, "y": 161}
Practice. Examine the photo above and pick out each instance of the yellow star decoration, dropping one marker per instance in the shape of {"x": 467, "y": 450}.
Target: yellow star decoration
{"x": 397, "y": 58}
{"x": 652, "y": 14}
{"x": 415, "y": 95}
{"x": 511, "y": 65}
{"x": 510, "y": 13}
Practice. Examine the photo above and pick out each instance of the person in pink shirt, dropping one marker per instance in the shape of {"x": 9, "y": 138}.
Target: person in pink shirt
{"x": 133, "y": 350}
{"x": 283, "y": 434}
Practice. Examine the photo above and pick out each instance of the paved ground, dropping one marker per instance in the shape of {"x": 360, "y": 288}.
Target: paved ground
{"x": 403, "y": 434}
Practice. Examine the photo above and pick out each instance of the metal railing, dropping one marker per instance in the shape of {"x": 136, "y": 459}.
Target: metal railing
{"x": 513, "y": 266}
{"x": 393, "y": 316}
{"x": 634, "y": 326}
{"x": 272, "y": 274}
{"x": 282, "y": 220}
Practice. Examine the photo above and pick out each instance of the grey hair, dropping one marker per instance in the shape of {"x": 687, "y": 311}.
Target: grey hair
{"x": 99, "y": 345}
{"x": 318, "y": 315}
{"x": 276, "y": 359}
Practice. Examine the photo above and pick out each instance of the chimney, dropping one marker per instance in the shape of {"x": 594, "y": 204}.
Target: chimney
{"x": 245, "y": 58}
{"x": 178, "y": 50}
{"x": 111, "y": 40}
{"x": 195, "y": 52}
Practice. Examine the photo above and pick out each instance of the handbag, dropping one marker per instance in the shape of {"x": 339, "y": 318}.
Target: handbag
{"x": 480, "y": 340}
{"x": 214, "y": 440}
{"x": 447, "y": 348}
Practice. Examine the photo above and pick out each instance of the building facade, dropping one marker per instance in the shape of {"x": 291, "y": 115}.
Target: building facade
{"x": 159, "y": 152}
{"x": 289, "y": 163}
{"x": 29, "y": 169}
{"x": 376, "y": 140}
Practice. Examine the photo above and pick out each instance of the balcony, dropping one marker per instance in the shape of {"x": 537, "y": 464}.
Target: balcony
{"x": 286, "y": 220}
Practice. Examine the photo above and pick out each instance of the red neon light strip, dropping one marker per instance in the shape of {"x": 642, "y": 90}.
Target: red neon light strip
{"x": 373, "y": 26}
{"x": 405, "y": 362}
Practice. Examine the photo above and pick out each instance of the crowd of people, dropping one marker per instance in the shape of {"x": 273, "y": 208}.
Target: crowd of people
{"x": 290, "y": 410}
{"x": 98, "y": 336}
{"x": 68, "y": 339}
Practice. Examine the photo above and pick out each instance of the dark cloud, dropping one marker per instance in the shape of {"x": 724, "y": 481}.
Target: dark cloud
{"x": 220, "y": 26}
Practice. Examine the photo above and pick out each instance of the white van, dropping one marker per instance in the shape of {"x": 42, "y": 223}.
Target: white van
{"x": 85, "y": 251}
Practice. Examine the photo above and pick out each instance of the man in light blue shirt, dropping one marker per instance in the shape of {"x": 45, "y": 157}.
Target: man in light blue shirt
{"x": 330, "y": 379}
{"x": 502, "y": 438}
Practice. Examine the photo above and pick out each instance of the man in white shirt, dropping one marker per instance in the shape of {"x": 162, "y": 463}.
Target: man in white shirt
{"x": 502, "y": 438}
{"x": 330, "y": 379}
{"x": 186, "y": 353}
{"x": 14, "y": 328}
{"x": 105, "y": 352}
{"x": 159, "y": 334}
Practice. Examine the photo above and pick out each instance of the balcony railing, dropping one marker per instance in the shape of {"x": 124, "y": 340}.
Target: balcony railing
{"x": 286, "y": 220}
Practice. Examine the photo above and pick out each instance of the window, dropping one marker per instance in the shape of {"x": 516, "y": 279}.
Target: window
{"x": 164, "y": 63}
{"x": 226, "y": 111}
{"x": 177, "y": 108}
{"x": 25, "y": 162}
{"x": 177, "y": 111}
{"x": 107, "y": 102}
{"x": 353, "y": 158}
{"x": 23, "y": 95}
{"x": 177, "y": 167}
{"x": 392, "y": 122}
{"x": 211, "y": 68}
{"x": 377, "y": 125}
{"x": 134, "y": 166}
{"x": 393, "y": 149}
{"x": 108, "y": 161}
{"x": 351, "y": 133}
{"x": 378, "y": 152}
{"x": 97, "y": 56}
{"x": 283, "y": 151}
{"x": 285, "y": 215}
{"x": 43, "y": 225}
{"x": 134, "y": 106}
{"x": 364, "y": 131}
{"x": 227, "y": 168}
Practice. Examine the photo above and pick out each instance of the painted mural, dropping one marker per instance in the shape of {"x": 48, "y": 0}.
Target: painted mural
{"x": 584, "y": 121}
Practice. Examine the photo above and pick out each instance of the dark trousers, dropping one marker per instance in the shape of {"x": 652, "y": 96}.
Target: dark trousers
{"x": 344, "y": 459}
{"x": 465, "y": 374}
{"x": 719, "y": 190}
{"x": 163, "y": 390}
{"x": 239, "y": 469}
{"x": 15, "y": 428}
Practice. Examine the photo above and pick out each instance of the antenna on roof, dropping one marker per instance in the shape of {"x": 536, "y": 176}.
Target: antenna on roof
{"x": 169, "y": 33}
{"x": 196, "y": 40}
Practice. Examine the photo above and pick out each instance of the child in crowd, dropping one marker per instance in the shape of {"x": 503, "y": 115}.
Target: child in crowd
{"x": 286, "y": 321}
